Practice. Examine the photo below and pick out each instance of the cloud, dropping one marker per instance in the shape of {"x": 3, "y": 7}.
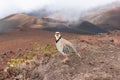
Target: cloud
{"x": 15, "y": 6}
{"x": 73, "y": 8}
{"x": 8, "y": 7}
{"x": 80, "y": 4}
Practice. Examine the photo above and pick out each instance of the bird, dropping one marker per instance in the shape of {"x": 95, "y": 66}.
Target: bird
{"x": 65, "y": 47}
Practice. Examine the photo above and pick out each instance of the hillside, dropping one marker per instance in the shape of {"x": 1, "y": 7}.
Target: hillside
{"x": 28, "y": 51}
{"x": 22, "y": 22}
{"x": 109, "y": 19}
{"x": 99, "y": 56}
{"x": 15, "y": 21}
{"x": 106, "y": 17}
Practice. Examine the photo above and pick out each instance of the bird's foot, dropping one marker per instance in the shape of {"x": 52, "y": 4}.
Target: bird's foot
{"x": 65, "y": 60}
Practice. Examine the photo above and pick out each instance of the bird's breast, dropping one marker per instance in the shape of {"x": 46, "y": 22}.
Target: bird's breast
{"x": 59, "y": 46}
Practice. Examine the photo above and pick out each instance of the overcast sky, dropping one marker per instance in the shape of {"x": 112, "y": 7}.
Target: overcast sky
{"x": 8, "y": 7}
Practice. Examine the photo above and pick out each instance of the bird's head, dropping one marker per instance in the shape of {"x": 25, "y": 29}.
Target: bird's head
{"x": 57, "y": 35}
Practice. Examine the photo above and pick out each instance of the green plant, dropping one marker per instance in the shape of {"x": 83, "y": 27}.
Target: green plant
{"x": 47, "y": 55}
{"x": 30, "y": 54}
{"x": 36, "y": 46}
{"x": 15, "y": 62}
{"x": 46, "y": 50}
{"x": 55, "y": 50}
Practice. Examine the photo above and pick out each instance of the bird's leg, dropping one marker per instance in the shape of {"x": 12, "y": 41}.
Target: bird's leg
{"x": 66, "y": 59}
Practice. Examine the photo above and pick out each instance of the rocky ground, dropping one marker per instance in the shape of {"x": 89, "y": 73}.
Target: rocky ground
{"x": 99, "y": 61}
{"x": 100, "y": 57}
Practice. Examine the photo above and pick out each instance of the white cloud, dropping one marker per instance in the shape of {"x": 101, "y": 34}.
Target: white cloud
{"x": 73, "y": 8}
{"x": 15, "y": 6}
{"x": 28, "y": 5}
{"x": 80, "y": 4}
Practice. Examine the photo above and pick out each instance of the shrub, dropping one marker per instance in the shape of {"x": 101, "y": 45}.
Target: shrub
{"x": 15, "y": 64}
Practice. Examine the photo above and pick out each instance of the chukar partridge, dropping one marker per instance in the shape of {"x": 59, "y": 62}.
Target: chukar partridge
{"x": 64, "y": 46}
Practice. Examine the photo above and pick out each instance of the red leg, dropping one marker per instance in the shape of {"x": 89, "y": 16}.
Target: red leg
{"x": 66, "y": 59}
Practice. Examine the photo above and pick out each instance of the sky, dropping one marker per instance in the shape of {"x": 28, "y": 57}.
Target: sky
{"x": 8, "y": 7}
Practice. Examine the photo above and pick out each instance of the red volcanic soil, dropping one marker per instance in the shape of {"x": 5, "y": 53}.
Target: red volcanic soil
{"x": 25, "y": 39}
{"x": 96, "y": 50}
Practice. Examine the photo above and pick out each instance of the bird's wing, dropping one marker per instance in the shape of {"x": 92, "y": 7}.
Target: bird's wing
{"x": 67, "y": 49}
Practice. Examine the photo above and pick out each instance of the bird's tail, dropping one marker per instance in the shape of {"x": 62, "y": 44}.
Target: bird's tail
{"x": 78, "y": 54}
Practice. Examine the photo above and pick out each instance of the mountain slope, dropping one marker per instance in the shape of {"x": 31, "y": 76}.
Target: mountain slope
{"x": 89, "y": 27}
{"x": 15, "y": 21}
{"x": 109, "y": 19}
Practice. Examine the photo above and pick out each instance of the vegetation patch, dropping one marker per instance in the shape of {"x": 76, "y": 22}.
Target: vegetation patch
{"x": 24, "y": 65}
